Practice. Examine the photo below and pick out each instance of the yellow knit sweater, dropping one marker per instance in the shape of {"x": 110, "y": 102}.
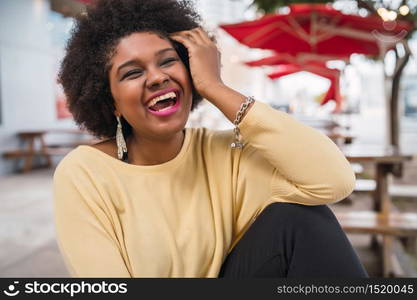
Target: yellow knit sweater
{"x": 182, "y": 217}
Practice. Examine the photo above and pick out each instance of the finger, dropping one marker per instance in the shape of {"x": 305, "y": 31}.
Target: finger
{"x": 183, "y": 40}
{"x": 204, "y": 35}
{"x": 190, "y": 34}
{"x": 195, "y": 32}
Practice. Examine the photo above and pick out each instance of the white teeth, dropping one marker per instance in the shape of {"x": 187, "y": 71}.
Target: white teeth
{"x": 162, "y": 97}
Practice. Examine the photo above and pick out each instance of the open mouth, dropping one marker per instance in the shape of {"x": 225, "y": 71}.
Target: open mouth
{"x": 163, "y": 102}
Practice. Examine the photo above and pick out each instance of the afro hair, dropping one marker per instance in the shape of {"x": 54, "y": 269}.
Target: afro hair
{"x": 84, "y": 69}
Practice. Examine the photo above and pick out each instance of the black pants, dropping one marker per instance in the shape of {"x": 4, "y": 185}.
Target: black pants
{"x": 291, "y": 240}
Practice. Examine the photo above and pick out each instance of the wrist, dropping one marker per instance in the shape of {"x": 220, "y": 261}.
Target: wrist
{"x": 214, "y": 91}
{"x": 226, "y": 99}
{"x": 211, "y": 90}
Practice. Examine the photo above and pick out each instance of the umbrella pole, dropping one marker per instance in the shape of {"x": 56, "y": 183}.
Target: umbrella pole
{"x": 392, "y": 89}
{"x": 387, "y": 102}
{"x": 400, "y": 64}
{"x": 389, "y": 118}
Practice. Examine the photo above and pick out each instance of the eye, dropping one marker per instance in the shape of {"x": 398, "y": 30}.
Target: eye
{"x": 169, "y": 61}
{"x": 132, "y": 74}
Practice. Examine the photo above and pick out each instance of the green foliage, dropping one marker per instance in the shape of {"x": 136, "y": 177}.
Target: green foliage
{"x": 271, "y": 6}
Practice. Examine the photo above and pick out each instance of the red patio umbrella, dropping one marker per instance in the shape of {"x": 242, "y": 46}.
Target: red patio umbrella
{"x": 333, "y": 93}
{"x": 301, "y": 58}
{"x": 316, "y": 28}
{"x": 284, "y": 70}
{"x": 316, "y": 64}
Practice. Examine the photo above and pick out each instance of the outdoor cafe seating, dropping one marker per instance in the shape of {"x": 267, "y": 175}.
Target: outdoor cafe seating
{"x": 393, "y": 232}
{"x": 34, "y": 144}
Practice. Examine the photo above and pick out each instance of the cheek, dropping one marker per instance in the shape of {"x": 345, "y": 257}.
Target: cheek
{"x": 128, "y": 92}
{"x": 116, "y": 92}
{"x": 185, "y": 79}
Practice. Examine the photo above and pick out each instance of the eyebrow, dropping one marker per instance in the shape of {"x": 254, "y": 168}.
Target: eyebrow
{"x": 133, "y": 61}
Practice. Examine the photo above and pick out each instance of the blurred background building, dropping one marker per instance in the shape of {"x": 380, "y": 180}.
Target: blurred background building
{"x": 32, "y": 41}
{"x": 33, "y": 34}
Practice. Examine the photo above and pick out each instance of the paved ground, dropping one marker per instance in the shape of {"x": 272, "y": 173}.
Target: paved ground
{"x": 27, "y": 237}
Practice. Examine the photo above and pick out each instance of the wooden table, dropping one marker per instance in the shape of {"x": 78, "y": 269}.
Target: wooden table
{"x": 340, "y": 137}
{"x": 28, "y": 149}
{"x": 388, "y": 161}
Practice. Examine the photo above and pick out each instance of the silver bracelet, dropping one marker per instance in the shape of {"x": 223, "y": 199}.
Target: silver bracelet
{"x": 243, "y": 107}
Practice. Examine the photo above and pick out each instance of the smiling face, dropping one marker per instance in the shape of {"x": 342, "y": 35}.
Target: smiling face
{"x": 150, "y": 85}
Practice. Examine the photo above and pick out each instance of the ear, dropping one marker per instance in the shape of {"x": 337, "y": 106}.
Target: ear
{"x": 116, "y": 111}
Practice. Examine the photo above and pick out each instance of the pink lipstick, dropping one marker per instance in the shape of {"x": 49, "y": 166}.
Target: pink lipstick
{"x": 168, "y": 111}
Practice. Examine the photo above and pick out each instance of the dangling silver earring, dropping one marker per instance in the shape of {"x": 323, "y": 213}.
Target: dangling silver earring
{"x": 120, "y": 140}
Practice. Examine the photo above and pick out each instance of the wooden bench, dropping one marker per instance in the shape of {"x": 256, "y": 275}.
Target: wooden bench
{"x": 393, "y": 229}
{"x": 26, "y": 153}
{"x": 29, "y": 151}
{"x": 369, "y": 186}
{"x": 388, "y": 161}
{"x": 397, "y": 224}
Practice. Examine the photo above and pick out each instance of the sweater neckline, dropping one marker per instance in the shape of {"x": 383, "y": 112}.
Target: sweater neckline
{"x": 159, "y": 167}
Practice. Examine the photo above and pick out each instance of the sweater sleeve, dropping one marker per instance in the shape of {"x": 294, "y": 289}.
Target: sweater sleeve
{"x": 307, "y": 167}
{"x": 84, "y": 230}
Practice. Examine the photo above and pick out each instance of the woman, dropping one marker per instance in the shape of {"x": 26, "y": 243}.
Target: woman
{"x": 156, "y": 199}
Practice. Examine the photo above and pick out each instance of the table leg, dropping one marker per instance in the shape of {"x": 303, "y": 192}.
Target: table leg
{"x": 383, "y": 199}
{"x": 29, "y": 159}
{"x": 387, "y": 252}
{"x": 383, "y": 206}
{"x": 46, "y": 155}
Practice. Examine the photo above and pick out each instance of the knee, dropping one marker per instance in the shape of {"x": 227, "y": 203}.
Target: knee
{"x": 299, "y": 216}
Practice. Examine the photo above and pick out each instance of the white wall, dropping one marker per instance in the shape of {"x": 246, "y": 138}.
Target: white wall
{"x": 27, "y": 72}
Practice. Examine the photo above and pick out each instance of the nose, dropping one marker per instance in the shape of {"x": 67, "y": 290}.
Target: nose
{"x": 157, "y": 78}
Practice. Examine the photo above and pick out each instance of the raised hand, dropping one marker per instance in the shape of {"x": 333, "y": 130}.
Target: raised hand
{"x": 204, "y": 59}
